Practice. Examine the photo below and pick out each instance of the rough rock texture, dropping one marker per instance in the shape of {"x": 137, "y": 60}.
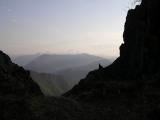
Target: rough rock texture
{"x": 141, "y": 39}
{"x": 22, "y": 99}
{"x": 16, "y": 87}
{"x": 139, "y": 54}
{"x": 15, "y": 80}
{"x": 132, "y": 82}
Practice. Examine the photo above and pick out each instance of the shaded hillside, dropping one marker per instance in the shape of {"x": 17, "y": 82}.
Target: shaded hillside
{"x": 50, "y": 84}
{"x": 14, "y": 79}
{"x": 74, "y": 74}
{"x": 22, "y": 99}
{"x": 138, "y": 63}
{"x": 16, "y": 87}
{"x": 130, "y": 87}
{"x": 53, "y": 63}
{"x": 59, "y": 83}
{"x": 55, "y": 84}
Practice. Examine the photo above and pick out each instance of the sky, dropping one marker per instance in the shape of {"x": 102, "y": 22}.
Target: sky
{"x": 62, "y": 26}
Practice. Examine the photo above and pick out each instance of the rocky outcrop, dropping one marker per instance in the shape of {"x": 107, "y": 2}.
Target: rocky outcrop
{"x": 16, "y": 88}
{"x": 138, "y": 63}
{"x": 22, "y": 99}
{"x": 130, "y": 87}
{"x": 141, "y": 40}
{"x": 133, "y": 80}
{"x": 14, "y": 80}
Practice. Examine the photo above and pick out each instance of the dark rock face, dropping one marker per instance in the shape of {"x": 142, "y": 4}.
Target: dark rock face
{"x": 141, "y": 39}
{"x": 133, "y": 80}
{"x": 139, "y": 55}
{"x": 16, "y": 87}
{"x": 15, "y": 80}
{"x": 131, "y": 85}
{"x": 22, "y": 99}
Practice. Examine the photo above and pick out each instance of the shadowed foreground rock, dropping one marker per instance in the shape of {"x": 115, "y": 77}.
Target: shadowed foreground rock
{"x": 16, "y": 87}
{"x": 138, "y": 67}
{"x": 131, "y": 85}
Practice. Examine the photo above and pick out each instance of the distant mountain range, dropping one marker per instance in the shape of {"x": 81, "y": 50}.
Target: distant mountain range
{"x": 49, "y": 63}
{"x": 23, "y": 60}
{"x": 56, "y": 74}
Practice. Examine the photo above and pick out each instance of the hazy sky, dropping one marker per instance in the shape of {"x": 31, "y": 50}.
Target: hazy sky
{"x": 62, "y": 26}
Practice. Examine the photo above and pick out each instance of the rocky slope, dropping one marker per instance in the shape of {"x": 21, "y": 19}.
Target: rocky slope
{"x": 16, "y": 87}
{"x": 130, "y": 86}
{"x": 139, "y": 61}
{"x": 22, "y": 99}
{"x": 59, "y": 83}
{"x": 50, "y": 84}
{"x": 15, "y": 80}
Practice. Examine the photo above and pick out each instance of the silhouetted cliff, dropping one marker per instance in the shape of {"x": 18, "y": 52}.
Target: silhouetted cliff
{"x": 130, "y": 87}
{"x": 133, "y": 79}
{"x": 141, "y": 40}
{"x": 15, "y": 80}
{"x": 16, "y": 87}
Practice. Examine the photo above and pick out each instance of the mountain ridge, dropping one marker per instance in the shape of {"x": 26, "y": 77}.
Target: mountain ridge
{"x": 53, "y": 63}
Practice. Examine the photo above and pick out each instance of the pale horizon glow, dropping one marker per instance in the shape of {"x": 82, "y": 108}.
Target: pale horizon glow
{"x": 62, "y": 26}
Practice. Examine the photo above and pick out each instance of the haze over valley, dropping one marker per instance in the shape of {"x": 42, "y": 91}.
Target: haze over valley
{"x": 60, "y": 42}
{"x": 56, "y": 74}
